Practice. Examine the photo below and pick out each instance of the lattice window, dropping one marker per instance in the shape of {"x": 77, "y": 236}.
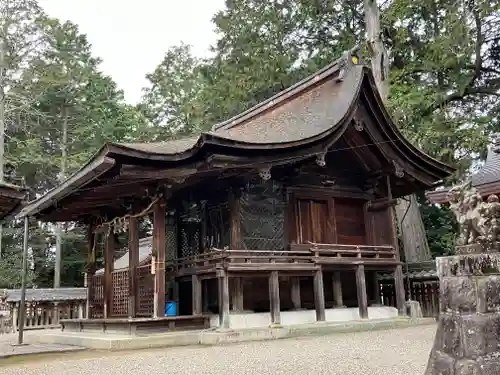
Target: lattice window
{"x": 218, "y": 224}
{"x": 97, "y": 299}
{"x": 262, "y": 216}
{"x": 120, "y": 293}
{"x": 189, "y": 226}
{"x": 146, "y": 291}
{"x": 171, "y": 241}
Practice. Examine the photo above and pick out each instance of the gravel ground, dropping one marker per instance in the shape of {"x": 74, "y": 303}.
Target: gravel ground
{"x": 391, "y": 352}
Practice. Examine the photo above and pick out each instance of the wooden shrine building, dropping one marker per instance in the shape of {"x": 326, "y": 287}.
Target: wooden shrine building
{"x": 486, "y": 180}
{"x": 288, "y": 205}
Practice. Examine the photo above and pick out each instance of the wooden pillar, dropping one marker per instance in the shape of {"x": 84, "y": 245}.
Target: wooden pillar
{"x": 361, "y": 289}
{"x": 133, "y": 261}
{"x": 55, "y": 314}
{"x": 319, "y": 296}
{"x": 400, "y": 290}
{"x": 234, "y": 212}
{"x": 196, "y": 294}
{"x": 15, "y": 316}
{"x": 274, "y": 298}
{"x": 376, "y": 289}
{"x": 295, "y": 292}
{"x": 91, "y": 268}
{"x": 237, "y": 294}
{"x": 205, "y": 296}
{"x": 109, "y": 249}
{"x": 223, "y": 298}
{"x": 337, "y": 290}
{"x": 159, "y": 244}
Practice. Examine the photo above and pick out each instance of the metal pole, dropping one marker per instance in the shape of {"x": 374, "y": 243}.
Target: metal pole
{"x": 22, "y": 307}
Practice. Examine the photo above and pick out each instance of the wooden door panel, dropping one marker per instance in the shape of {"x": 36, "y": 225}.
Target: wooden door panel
{"x": 312, "y": 220}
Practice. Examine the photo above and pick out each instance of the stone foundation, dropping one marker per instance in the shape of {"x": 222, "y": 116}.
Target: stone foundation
{"x": 467, "y": 340}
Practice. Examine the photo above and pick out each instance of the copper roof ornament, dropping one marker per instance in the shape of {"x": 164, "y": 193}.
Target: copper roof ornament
{"x": 478, "y": 220}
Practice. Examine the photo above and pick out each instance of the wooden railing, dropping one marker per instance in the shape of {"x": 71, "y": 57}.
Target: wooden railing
{"x": 41, "y": 315}
{"x": 302, "y": 255}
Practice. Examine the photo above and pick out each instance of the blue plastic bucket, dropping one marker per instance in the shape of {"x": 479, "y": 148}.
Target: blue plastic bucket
{"x": 171, "y": 308}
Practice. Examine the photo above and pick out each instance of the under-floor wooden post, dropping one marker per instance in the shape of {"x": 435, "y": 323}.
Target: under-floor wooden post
{"x": 133, "y": 261}
{"x": 319, "y": 296}
{"x": 159, "y": 244}
{"x": 196, "y": 294}
{"x": 223, "y": 298}
{"x": 337, "y": 290}
{"x": 361, "y": 289}
{"x": 400, "y": 290}
{"x": 205, "y": 296}
{"x": 376, "y": 289}
{"x": 274, "y": 298}
{"x": 295, "y": 292}
{"x": 237, "y": 294}
{"x": 109, "y": 249}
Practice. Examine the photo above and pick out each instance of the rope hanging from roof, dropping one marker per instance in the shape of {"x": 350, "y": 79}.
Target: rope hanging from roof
{"x": 120, "y": 223}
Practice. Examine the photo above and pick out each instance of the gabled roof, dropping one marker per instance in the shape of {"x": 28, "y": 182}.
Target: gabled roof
{"x": 290, "y": 126}
{"x": 47, "y": 294}
{"x": 486, "y": 180}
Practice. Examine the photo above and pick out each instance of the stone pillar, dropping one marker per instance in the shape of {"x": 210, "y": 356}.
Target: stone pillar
{"x": 467, "y": 340}
{"x": 337, "y": 290}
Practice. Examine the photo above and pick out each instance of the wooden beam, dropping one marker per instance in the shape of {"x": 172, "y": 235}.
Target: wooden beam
{"x": 159, "y": 244}
{"x": 295, "y": 292}
{"x": 109, "y": 249}
{"x": 361, "y": 291}
{"x": 133, "y": 171}
{"x": 133, "y": 261}
{"x": 196, "y": 295}
{"x": 337, "y": 289}
{"x": 319, "y": 296}
{"x": 223, "y": 299}
{"x": 400, "y": 290}
{"x": 274, "y": 298}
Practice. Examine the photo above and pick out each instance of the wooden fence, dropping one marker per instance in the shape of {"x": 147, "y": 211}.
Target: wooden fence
{"x": 41, "y": 315}
{"x": 424, "y": 291}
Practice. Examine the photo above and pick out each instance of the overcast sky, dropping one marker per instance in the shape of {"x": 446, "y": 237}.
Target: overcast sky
{"x": 132, "y": 36}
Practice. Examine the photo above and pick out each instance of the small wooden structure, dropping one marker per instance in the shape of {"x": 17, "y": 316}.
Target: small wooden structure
{"x": 288, "y": 205}
{"x": 45, "y": 307}
{"x": 486, "y": 180}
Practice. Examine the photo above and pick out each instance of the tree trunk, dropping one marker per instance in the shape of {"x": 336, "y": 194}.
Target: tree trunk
{"x": 416, "y": 248}
{"x": 62, "y": 176}
{"x": 2, "y": 120}
{"x": 411, "y": 227}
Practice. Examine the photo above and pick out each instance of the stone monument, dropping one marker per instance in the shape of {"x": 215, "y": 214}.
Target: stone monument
{"x": 467, "y": 340}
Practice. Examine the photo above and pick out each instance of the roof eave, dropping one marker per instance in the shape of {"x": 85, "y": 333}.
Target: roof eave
{"x": 87, "y": 174}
